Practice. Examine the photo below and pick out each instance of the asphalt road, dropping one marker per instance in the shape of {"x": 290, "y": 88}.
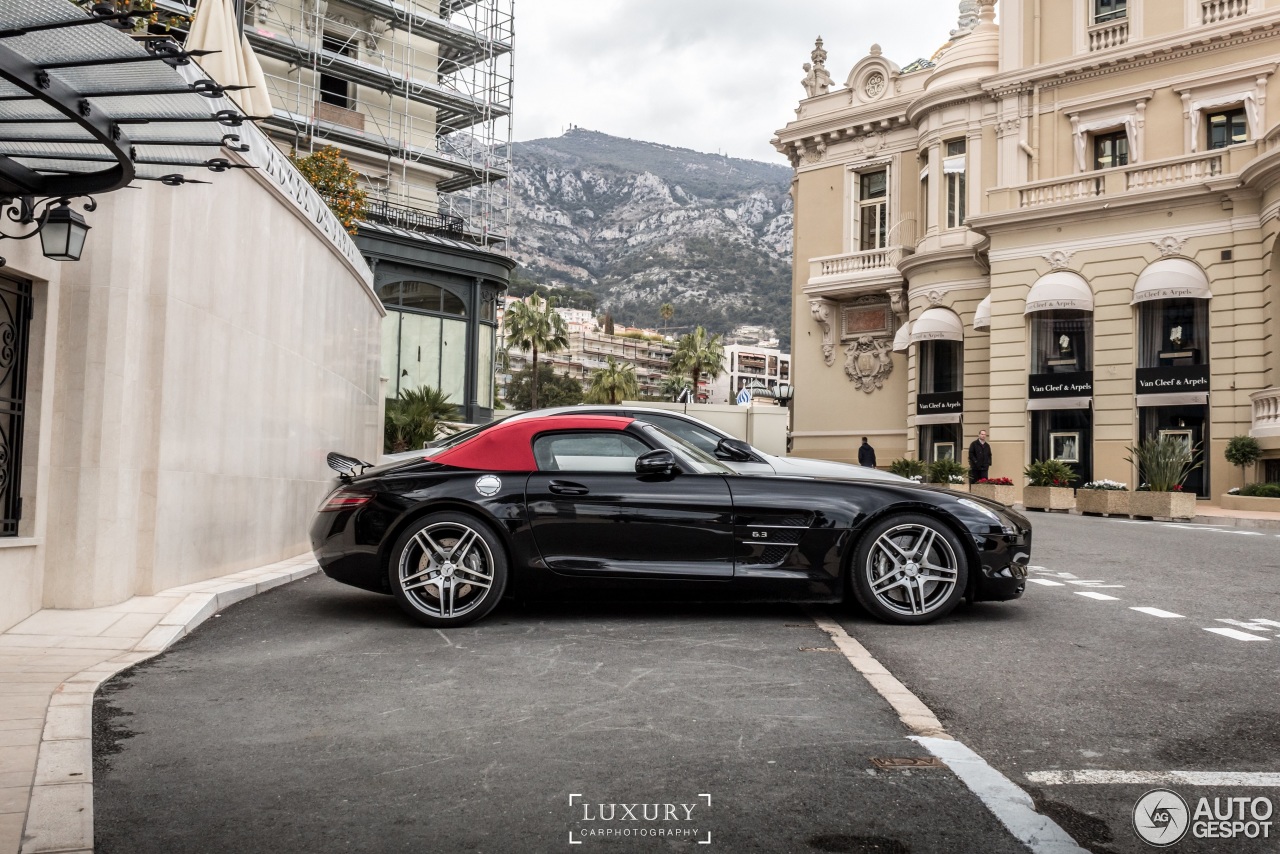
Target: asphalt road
{"x": 1061, "y": 681}
{"x": 317, "y": 718}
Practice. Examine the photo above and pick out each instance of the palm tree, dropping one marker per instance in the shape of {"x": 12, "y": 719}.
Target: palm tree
{"x": 614, "y": 383}
{"x": 698, "y": 353}
{"x": 667, "y": 312}
{"x": 534, "y": 325}
{"x": 415, "y": 417}
{"x": 672, "y": 385}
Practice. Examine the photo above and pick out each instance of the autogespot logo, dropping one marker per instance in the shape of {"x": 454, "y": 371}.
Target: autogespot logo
{"x": 1160, "y": 817}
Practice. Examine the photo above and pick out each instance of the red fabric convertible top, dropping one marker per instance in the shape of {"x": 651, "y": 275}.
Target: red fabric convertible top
{"x": 509, "y": 446}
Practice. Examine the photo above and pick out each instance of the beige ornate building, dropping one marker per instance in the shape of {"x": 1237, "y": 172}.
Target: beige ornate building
{"x": 1063, "y": 230}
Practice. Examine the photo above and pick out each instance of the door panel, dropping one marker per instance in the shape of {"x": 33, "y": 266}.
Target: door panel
{"x": 615, "y": 523}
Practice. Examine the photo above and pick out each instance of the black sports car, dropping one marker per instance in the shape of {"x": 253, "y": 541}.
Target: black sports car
{"x": 616, "y": 506}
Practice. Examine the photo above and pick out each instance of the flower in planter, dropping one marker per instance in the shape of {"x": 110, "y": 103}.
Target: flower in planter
{"x": 996, "y": 481}
{"x": 957, "y": 478}
{"x": 1235, "y": 490}
{"x": 1105, "y": 484}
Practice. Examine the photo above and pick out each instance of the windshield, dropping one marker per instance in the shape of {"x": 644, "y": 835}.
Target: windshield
{"x": 706, "y": 463}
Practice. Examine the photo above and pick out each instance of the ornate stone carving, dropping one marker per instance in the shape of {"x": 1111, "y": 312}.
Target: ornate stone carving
{"x": 313, "y": 14}
{"x": 1059, "y": 259}
{"x": 868, "y": 362}
{"x": 898, "y": 304}
{"x": 935, "y": 298}
{"x": 872, "y": 142}
{"x": 1169, "y": 246}
{"x": 874, "y": 86}
{"x": 968, "y": 18}
{"x": 377, "y": 28}
{"x": 821, "y": 310}
{"x": 814, "y": 151}
{"x": 817, "y": 80}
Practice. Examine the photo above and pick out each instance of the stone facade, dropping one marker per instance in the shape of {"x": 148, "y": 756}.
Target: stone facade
{"x": 1074, "y": 237}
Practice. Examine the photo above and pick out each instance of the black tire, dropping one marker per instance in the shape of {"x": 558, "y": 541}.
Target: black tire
{"x": 458, "y": 580}
{"x": 892, "y": 581}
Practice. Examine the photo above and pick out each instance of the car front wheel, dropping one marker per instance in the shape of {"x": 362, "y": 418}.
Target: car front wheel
{"x": 909, "y": 569}
{"x": 448, "y": 569}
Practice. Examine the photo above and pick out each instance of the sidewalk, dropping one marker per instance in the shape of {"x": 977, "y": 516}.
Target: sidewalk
{"x": 1209, "y": 514}
{"x": 50, "y": 666}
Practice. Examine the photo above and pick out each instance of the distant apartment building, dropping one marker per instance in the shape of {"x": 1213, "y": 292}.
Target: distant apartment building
{"x": 589, "y": 350}
{"x": 1062, "y": 230}
{"x": 754, "y": 367}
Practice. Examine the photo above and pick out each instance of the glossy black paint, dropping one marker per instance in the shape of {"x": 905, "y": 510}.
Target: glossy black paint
{"x": 682, "y": 534}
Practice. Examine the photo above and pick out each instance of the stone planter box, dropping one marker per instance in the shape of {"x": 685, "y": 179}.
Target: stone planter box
{"x": 1103, "y": 502}
{"x": 1250, "y": 503}
{"x": 1163, "y": 505}
{"x": 958, "y": 487}
{"x": 1006, "y": 495}
{"x": 1048, "y": 498}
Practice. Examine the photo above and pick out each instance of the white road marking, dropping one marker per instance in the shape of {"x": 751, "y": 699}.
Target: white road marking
{"x": 1156, "y": 612}
{"x": 1242, "y": 779}
{"x": 1095, "y": 584}
{"x": 1046, "y": 582}
{"x": 1258, "y": 625}
{"x": 1007, "y": 802}
{"x": 1237, "y": 634}
{"x": 1102, "y": 596}
{"x": 1001, "y": 795}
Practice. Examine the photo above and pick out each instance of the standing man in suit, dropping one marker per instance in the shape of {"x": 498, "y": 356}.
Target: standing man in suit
{"x": 866, "y": 454}
{"x": 979, "y": 458}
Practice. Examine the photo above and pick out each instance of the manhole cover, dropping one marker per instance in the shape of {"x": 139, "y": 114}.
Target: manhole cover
{"x": 888, "y": 763}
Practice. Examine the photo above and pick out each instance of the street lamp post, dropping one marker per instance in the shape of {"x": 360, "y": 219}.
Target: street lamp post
{"x": 784, "y": 394}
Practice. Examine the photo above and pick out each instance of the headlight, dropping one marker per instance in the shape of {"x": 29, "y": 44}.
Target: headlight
{"x": 989, "y": 514}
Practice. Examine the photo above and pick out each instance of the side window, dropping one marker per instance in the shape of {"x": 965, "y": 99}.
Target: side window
{"x": 691, "y": 433}
{"x": 585, "y": 452}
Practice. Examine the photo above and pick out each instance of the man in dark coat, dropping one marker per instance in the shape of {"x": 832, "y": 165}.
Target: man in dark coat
{"x": 979, "y": 458}
{"x": 866, "y": 454}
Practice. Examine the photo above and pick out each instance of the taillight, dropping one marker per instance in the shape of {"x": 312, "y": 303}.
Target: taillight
{"x": 345, "y": 498}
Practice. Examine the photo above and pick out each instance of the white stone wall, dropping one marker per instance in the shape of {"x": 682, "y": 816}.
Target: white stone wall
{"x": 186, "y": 379}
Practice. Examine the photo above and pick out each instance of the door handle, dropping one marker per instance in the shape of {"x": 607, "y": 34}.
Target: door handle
{"x": 564, "y": 487}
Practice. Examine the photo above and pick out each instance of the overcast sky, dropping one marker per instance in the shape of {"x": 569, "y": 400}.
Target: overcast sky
{"x": 711, "y": 75}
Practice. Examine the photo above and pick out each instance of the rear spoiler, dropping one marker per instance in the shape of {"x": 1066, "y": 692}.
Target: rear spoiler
{"x": 346, "y": 467}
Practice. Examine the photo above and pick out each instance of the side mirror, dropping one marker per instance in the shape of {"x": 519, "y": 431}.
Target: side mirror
{"x": 656, "y": 462}
{"x": 734, "y": 450}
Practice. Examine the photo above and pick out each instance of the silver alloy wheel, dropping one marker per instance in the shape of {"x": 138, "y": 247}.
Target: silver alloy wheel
{"x": 912, "y": 569}
{"x": 446, "y": 570}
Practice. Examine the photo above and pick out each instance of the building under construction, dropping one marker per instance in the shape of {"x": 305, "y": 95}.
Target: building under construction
{"x": 417, "y": 97}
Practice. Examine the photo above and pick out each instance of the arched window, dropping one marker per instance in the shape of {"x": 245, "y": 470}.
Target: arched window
{"x": 422, "y": 296}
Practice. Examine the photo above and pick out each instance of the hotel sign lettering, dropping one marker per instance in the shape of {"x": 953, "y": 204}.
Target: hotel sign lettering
{"x": 939, "y": 403}
{"x": 1173, "y": 379}
{"x": 1075, "y": 384}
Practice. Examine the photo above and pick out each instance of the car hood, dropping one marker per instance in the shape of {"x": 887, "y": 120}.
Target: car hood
{"x": 805, "y": 467}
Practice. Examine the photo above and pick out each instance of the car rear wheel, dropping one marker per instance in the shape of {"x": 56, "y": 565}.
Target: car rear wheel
{"x": 448, "y": 569}
{"x": 909, "y": 569}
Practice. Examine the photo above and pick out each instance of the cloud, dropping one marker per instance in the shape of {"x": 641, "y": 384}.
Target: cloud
{"x": 712, "y": 75}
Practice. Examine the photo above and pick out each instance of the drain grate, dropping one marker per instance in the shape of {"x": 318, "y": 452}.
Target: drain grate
{"x": 893, "y": 763}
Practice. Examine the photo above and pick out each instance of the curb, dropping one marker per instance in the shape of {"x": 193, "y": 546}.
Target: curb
{"x": 1239, "y": 522}
{"x": 60, "y": 812}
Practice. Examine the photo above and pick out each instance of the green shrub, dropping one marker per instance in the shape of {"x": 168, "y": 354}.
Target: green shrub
{"x": 1050, "y": 473}
{"x": 907, "y": 468}
{"x": 1164, "y": 462}
{"x": 947, "y": 471}
{"x": 1261, "y": 490}
{"x": 1242, "y": 451}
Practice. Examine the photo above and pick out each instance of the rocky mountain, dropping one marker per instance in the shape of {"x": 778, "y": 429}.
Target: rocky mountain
{"x": 641, "y": 224}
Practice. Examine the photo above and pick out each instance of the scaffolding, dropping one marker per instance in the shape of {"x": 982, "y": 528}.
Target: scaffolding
{"x": 417, "y": 95}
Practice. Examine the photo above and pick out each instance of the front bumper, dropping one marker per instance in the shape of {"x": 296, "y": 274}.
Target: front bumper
{"x": 1003, "y": 560}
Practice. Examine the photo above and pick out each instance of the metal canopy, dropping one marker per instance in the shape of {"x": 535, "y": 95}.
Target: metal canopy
{"x": 86, "y": 108}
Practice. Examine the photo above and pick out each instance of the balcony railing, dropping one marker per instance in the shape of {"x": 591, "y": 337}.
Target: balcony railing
{"x": 1155, "y": 176}
{"x": 413, "y": 219}
{"x": 1057, "y": 192}
{"x": 1109, "y": 34}
{"x": 1214, "y": 11}
{"x": 1266, "y": 413}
